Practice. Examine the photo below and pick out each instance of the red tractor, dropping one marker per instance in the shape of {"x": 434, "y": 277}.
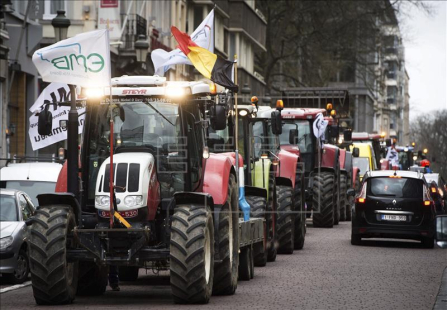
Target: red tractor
{"x": 142, "y": 192}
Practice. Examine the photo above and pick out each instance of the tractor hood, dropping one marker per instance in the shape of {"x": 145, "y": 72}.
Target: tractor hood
{"x": 132, "y": 176}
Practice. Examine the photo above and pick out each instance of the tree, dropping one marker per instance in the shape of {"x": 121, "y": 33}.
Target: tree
{"x": 430, "y": 131}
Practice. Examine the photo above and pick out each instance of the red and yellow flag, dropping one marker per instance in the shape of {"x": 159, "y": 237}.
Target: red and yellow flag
{"x": 207, "y": 63}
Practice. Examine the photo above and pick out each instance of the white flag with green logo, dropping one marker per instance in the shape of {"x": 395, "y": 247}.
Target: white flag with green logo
{"x": 82, "y": 60}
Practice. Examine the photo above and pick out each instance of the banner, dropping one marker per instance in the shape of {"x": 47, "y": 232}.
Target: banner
{"x": 55, "y": 92}
{"x": 83, "y": 60}
{"x": 109, "y": 18}
{"x": 203, "y": 36}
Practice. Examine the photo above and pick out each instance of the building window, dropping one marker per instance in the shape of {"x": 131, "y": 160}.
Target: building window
{"x": 198, "y": 16}
{"x": 52, "y": 6}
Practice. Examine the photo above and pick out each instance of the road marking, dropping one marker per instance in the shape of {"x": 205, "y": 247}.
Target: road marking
{"x": 14, "y": 287}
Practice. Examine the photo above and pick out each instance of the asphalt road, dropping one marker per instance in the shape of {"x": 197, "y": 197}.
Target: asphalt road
{"x": 328, "y": 273}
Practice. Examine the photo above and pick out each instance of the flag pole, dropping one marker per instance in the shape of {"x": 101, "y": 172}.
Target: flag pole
{"x": 236, "y": 125}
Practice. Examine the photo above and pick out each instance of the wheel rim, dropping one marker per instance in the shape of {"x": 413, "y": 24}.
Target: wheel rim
{"x": 22, "y": 268}
{"x": 207, "y": 256}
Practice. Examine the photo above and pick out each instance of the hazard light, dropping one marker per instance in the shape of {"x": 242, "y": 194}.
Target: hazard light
{"x": 361, "y": 200}
{"x": 427, "y": 202}
{"x": 433, "y": 190}
{"x": 213, "y": 89}
{"x": 279, "y": 104}
{"x": 254, "y": 99}
{"x": 329, "y": 106}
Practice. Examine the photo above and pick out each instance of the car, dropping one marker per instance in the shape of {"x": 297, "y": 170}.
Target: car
{"x": 33, "y": 178}
{"x": 16, "y": 207}
{"x": 394, "y": 204}
{"x": 437, "y": 191}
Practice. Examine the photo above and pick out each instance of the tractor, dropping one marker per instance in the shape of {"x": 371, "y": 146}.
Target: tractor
{"x": 143, "y": 191}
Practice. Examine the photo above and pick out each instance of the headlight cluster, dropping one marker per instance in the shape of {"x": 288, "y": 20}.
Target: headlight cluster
{"x": 6, "y": 242}
{"x": 133, "y": 201}
{"x": 129, "y": 201}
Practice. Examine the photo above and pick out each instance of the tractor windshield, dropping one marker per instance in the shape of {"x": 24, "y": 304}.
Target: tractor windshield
{"x": 304, "y": 138}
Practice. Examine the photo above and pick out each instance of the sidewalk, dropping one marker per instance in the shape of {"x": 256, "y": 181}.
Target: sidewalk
{"x": 441, "y": 300}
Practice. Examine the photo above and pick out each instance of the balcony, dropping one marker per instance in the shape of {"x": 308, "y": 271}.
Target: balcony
{"x": 247, "y": 20}
{"x": 135, "y": 26}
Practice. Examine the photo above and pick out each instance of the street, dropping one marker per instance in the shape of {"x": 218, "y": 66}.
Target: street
{"x": 329, "y": 273}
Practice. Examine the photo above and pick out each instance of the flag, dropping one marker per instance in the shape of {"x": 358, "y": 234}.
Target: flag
{"x": 216, "y": 69}
{"x": 203, "y": 36}
{"x": 82, "y": 60}
{"x": 55, "y": 92}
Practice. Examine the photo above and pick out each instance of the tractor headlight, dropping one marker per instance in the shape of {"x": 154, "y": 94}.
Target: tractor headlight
{"x": 6, "y": 242}
{"x": 133, "y": 201}
{"x": 102, "y": 201}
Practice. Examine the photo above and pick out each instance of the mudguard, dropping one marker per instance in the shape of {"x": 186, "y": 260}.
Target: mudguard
{"x": 195, "y": 198}
{"x": 342, "y": 159}
{"x": 59, "y": 199}
{"x": 330, "y": 156}
{"x": 217, "y": 174}
{"x": 261, "y": 179}
{"x": 294, "y": 149}
{"x": 287, "y": 166}
{"x": 255, "y": 191}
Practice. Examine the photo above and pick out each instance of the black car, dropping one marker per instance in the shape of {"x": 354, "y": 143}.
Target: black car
{"x": 394, "y": 204}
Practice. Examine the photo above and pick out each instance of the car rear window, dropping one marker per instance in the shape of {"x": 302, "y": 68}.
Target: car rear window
{"x": 395, "y": 187}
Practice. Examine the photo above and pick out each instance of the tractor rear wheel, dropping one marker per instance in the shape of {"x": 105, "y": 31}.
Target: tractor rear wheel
{"x": 300, "y": 216}
{"x": 323, "y": 199}
{"x": 286, "y": 219}
{"x": 245, "y": 259}
{"x": 343, "y": 197}
{"x": 226, "y": 272}
{"x": 192, "y": 254}
{"x": 92, "y": 279}
{"x": 258, "y": 206}
{"x": 54, "y": 278}
{"x": 128, "y": 273}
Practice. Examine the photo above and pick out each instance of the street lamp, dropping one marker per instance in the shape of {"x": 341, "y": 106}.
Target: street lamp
{"x": 141, "y": 48}
{"x": 60, "y": 24}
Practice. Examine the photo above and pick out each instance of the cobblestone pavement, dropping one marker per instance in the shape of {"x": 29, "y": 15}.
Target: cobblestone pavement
{"x": 329, "y": 273}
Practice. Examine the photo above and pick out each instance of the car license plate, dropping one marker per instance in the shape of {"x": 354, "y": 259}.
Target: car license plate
{"x": 398, "y": 218}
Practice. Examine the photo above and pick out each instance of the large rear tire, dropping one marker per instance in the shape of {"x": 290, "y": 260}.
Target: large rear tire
{"x": 323, "y": 199}
{"x": 286, "y": 220}
{"x": 343, "y": 197}
{"x": 226, "y": 272}
{"x": 300, "y": 216}
{"x": 272, "y": 207}
{"x": 258, "y": 206}
{"x": 92, "y": 279}
{"x": 192, "y": 254}
{"x": 128, "y": 273}
{"x": 54, "y": 279}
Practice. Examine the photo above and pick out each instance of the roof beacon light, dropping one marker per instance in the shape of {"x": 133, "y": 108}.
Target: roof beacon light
{"x": 329, "y": 106}
{"x": 333, "y": 113}
{"x": 254, "y": 99}
{"x": 213, "y": 89}
{"x": 279, "y": 105}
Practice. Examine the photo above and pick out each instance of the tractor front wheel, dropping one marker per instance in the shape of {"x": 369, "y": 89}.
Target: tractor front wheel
{"x": 258, "y": 210}
{"x": 286, "y": 220}
{"x": 323, "y": 199}
{"x": 343, "y": 197}
{"x": 192, "y": 254}
{"x": 54, "y": 278}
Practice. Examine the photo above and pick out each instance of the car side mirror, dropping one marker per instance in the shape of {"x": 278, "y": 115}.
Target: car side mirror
{"x": 347, "y": 135}
{"x": 218, "y": 117}
{"x": 350, "y": 192}
{"x": 388, "y": 142}
{"x": 356, "y": 152}
{"x": 441, "y": 231}
{"x": 276, "y": 123}
{"x": 45, "y": 122}
{"x": 293, "y": 136}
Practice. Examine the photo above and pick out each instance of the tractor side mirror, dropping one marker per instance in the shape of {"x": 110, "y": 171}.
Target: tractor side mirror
{"x": 441, "y": 231}
{"x": 347, "y": 135}
{"x": 356, "y": 152}
{"x": 388, "y": 142}
{"x": 276, "y": 123}
{"x": 350, "y": 192}
{"x": 333, "y": 131}
{"x": 45, "y": 122}
{"x": 218, "y": 117}
{"x": 293, "y": 136}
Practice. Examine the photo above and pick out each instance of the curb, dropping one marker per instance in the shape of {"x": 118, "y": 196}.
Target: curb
{"x": 441, "y": 299}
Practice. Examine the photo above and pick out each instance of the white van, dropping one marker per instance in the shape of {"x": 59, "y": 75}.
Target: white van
{"x": 32, "y": 178}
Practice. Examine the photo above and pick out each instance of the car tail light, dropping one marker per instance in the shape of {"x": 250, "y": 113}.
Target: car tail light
{"x": 427, "y": 202}
{"x": 433, "y": 190}
{"x": 361, "y": 200}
